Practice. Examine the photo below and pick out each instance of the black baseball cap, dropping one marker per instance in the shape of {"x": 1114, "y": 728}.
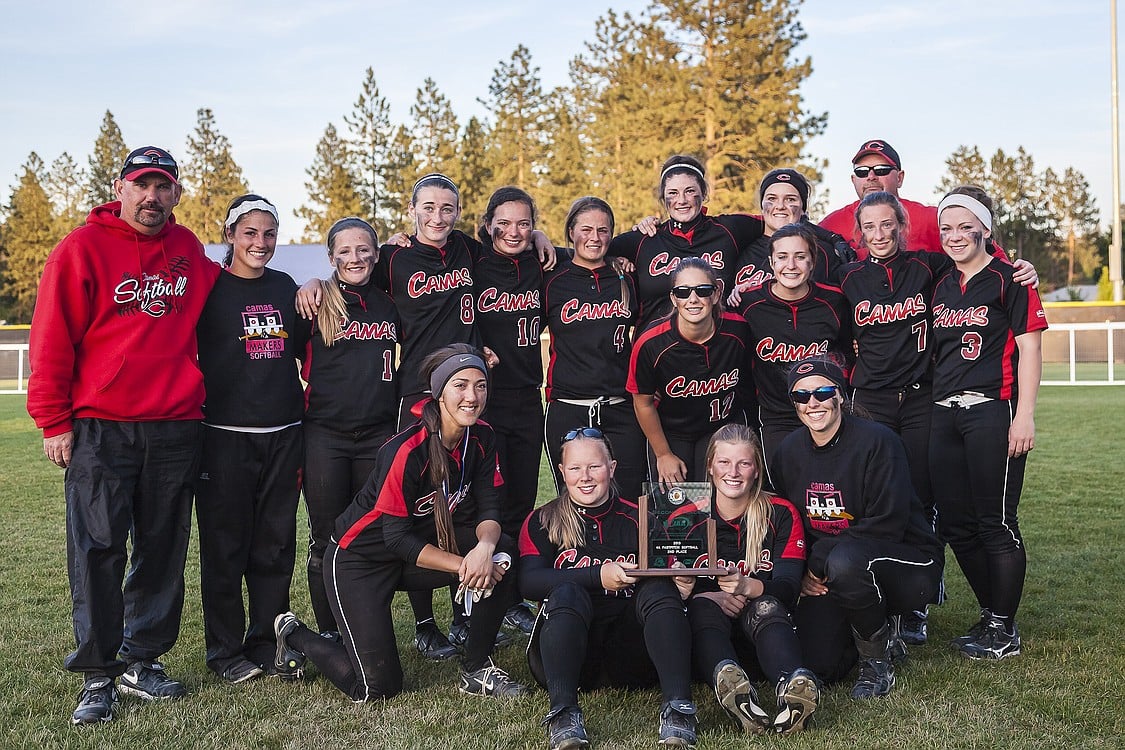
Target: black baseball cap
{"x": 880, "y": 147}
{"x": 149, "y": 159}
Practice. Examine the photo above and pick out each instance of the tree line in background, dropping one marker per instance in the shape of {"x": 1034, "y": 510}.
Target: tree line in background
{"x": 719, "y": 79}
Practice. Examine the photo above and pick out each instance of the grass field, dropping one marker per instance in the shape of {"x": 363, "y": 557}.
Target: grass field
{"x": 1065, "y": 691}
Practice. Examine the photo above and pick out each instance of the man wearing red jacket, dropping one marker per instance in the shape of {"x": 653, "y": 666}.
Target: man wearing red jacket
{"x": 116, "y": 389}
{"x": 877, "y": 167}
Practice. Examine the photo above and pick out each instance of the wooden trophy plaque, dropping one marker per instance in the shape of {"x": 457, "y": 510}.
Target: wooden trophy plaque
{"x": 676, "y": 525}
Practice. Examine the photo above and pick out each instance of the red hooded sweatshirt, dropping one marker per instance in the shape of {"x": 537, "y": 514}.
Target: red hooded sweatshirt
{"x": 113, "y": 335}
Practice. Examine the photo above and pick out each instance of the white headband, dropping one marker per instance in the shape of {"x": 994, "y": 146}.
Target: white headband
{"x": 440, "y": 178}
{"x": 681, "y": 165}
{"x": 242, "y": 209}
{"x": 978, "y": 209}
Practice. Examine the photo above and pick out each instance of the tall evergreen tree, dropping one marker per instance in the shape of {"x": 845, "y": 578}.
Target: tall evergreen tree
{"x": 368, "y": 150}
{"x": 476, "y": 179}
{"x": 332, "y": 189}
{"x": 434, "y": 129}
{"x": 744, "y": 78}
{"x": 211, "y": 179}
{"x": 565, "y": 176}
{"x": 26, "y": 239}
{"x": 1075, "y": 216}
{"x": 965, "y": 166}
{"x": 105, "y": 162}
{"x": 518, "y": 108}
{"x": 402, "y": 171}
{"x": 65, "y": 187}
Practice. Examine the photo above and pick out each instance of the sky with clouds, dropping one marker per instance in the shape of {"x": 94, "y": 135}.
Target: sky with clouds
{"x": 927, "y": 77}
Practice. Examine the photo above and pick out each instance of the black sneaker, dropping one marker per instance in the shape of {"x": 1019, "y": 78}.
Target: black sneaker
{"x": 798, "y": 695}
{"x": 288, "y": 662}
{"x": 432, "y": 643}
{"x": 459, "y": 634}
{"x": 994, "y": 643}
{"x": 913, "y": 628}
{"x": 148, "y": 681}
{"x": 738, "y": 698}
{"x": 976, "y": 631}
{"x": 566, "y": 730}
{"x": 491, "y": 681}
{"x": 876, "y": 678}
{"x": 96, "y": 702}
{"x": 241, "y": 670}
{"x": 521, "y": 618}
{"x": 677, "y": 724}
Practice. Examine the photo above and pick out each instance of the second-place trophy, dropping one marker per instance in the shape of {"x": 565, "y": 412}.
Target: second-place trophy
{"x": 675, "y": 525}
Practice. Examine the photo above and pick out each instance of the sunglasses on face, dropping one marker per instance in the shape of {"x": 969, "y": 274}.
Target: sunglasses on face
{"x": 823, "y": 393}
{"x": 701, "y": 291}
{"x": 880, "y": 170}
{"x": 588, "y": 432}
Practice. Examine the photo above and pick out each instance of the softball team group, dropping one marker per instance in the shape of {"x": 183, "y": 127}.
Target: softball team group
{"x": 849, "y": 414}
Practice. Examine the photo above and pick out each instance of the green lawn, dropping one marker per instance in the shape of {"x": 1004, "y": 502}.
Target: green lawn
{"x": 1065, "y": 691}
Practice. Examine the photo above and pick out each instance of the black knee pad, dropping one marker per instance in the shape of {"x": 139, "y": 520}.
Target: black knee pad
{"x": 762, "y": 612}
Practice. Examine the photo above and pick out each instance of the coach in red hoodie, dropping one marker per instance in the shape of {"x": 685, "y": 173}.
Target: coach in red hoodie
{"x": 117, "y": 392}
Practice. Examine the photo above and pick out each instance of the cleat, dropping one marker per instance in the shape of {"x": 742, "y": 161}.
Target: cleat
{"x": 432, "y": 643}
{"x": 876, "y": 672}
{"x": 96, "y": 702}
{"x": 241, "y": 670}
{"x": 677, "y": 724}
{"x": 288, "y": 662}
{"x": 994, "y": 643}
{"x": 459, "y": 633}
{"x": 976, "y": 631}
{"x": 914, "y": 627}
{"x": 148, "y": 681}
{"x": 520, "y": 618}
{"x": 566, "y": 729}
{"x": 896, "y": 645}
{"x": 491, "y": 681}
{"x": 798, "y": 695}
{"x": 738, "y": 698}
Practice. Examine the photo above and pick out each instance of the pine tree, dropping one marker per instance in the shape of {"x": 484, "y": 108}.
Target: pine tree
{"x": 26, "y": 239}
{"x": 965, "y": 166}
{"x": 434, "y": 131}
{"x": 743, "y": 77}
{"x": 565, "y": 176}
{"x": 367, "y": 150}
{"x": 211, "y": 179}
{"x": 105, "y": 162}
{"x": 1075, "y": 214}
{"x": 332, "y": 188}
{"x": 65, "y": 187}
{"x": 632, "y": 105}
{"x": 401, "y": 174}
{"x": 518, "y": 108}
{"x": 475, "y": 180}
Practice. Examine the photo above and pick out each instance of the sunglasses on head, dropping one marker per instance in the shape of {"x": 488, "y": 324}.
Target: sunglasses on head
{"x": 823, "y": 393}
{"x": 701, "y": 290}
{"x": 588, "y": 432}
{"x": 880, "y": 170}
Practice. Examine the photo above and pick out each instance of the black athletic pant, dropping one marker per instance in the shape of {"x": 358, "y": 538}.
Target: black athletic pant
{"x": 246, "y": 506}
{"x": 909, "y": 412}
{"x": 337, "y": 464}
{"x": 515, "y": 415}
{"x": 361, "y": 593}
{"x": 978, "y": 492}
{"x": 127, "y": 483}
{"x": 589, "y": 640}
{"x": 618, "y": 422}
{"x": 762, "y": 638}
{"x": 775, "y": 428}
{"x": 867, "y": 579}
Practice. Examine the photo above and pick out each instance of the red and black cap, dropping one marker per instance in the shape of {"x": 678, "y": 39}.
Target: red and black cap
{"x": 149, "y": 159}
{"x": 880, "y": 147}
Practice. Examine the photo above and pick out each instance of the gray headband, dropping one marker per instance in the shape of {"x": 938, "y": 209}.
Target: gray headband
{"x": 444, "y": 372}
